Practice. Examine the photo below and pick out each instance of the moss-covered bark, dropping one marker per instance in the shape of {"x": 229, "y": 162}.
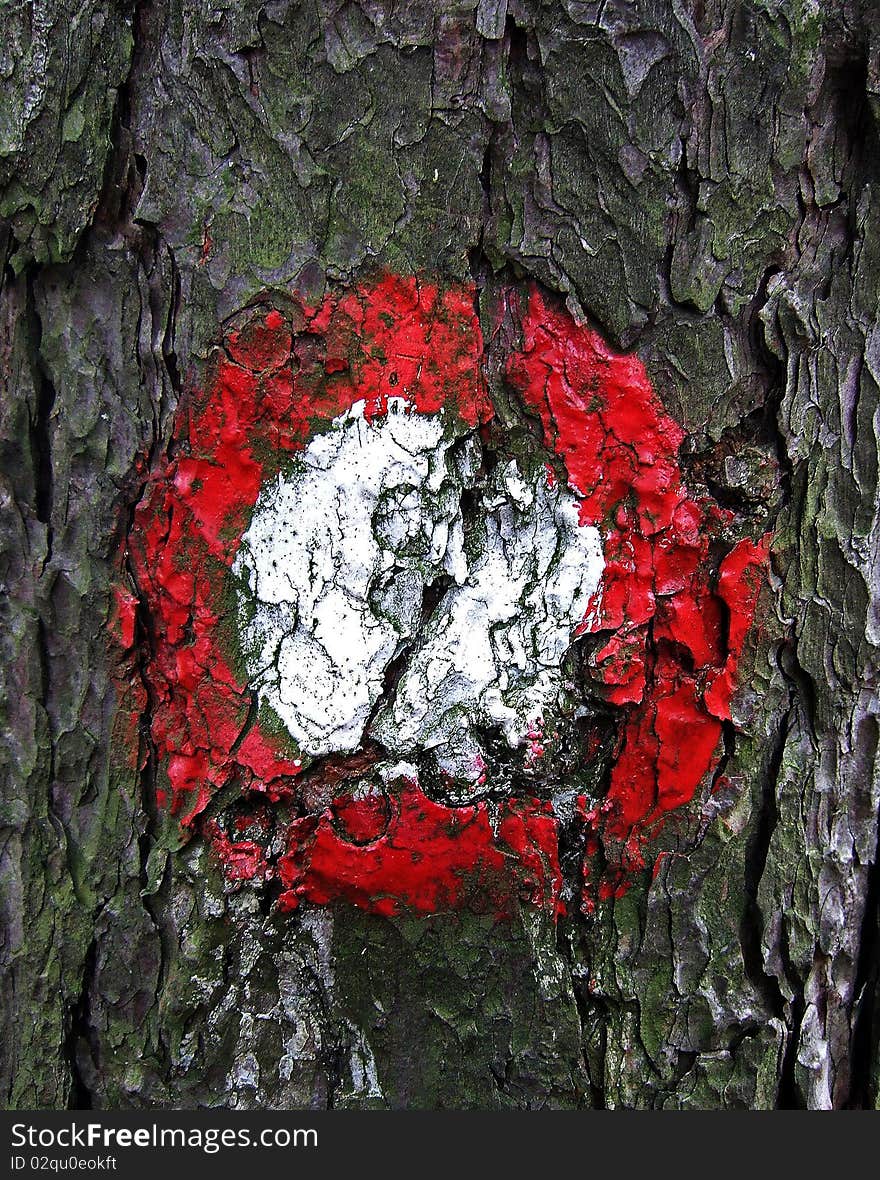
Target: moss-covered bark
{"x": 700, "y": 180}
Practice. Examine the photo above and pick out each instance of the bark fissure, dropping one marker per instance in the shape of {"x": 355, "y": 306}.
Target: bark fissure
{"x": 866, "y": 1023}
{"x": 81, "y": 1038}
{"x": 41, "y": 421}
{"x": 753, "y": 923}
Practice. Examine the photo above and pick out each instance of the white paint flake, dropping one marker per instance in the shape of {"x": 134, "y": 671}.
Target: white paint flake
{"x": 331, "y": 574}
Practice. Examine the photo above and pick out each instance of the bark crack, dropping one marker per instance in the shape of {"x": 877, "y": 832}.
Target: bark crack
{"x": 865, "y": 1044}
{"x": 41, "y": 418}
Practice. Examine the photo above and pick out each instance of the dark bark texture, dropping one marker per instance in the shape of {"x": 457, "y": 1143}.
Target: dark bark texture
{"x": 698, "y": 178}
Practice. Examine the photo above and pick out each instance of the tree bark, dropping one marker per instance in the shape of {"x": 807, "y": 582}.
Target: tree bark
{"x": 696, "y": 178}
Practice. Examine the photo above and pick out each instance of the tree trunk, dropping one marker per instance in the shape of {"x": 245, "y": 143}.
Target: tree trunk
{"x": 696, "y": 180}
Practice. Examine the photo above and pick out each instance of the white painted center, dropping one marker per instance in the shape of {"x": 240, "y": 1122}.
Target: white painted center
{"x": 330, "y": 578}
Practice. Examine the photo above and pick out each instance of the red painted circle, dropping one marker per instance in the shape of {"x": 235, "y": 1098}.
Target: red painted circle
{"x": 294, "y": 367}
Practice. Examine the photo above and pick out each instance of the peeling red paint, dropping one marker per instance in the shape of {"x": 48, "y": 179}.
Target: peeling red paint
{"x": 672, "y": 632}
{"x": 428, "y": 858}
{"x": 243, "y": 860}
{"x": 740, "y": 579}
{"x": 666, "y": 653}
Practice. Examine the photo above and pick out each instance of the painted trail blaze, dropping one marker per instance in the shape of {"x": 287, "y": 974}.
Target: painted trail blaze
{"x": 324, "y": 616}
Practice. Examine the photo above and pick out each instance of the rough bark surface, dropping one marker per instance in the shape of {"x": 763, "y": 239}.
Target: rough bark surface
{"x": 698, "y": 178}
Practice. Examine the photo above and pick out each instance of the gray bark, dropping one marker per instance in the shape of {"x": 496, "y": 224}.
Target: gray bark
{"x": 700, "y": 179}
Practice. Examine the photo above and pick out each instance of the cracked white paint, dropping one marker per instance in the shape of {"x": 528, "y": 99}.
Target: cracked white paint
{"x": 491, "y": 652}
{"x": 356, "y": 528}
{"x": 331, "y": 576}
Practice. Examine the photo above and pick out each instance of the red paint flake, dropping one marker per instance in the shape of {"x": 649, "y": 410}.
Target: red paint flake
{"x": 740, "y": 580}
{"x": 278, "y": 378}
{"x": 602, "y": 417}
{"x": 123, "y": 616}
{"x": 131, "y": 695}
{"x": 207, "y": 245}
{"x": 242, "y": 860}
{"x": 662, "y": 857}
{"x": 428, "y": 858}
